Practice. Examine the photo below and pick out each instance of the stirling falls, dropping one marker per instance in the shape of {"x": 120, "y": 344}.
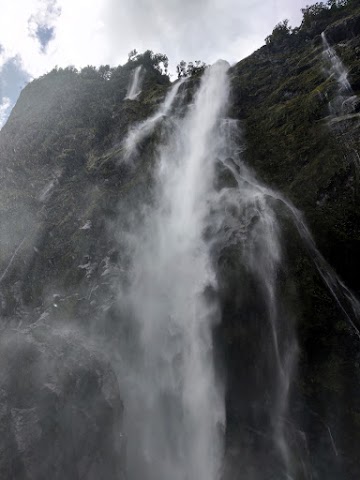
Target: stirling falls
{"x": 179, "y": 266}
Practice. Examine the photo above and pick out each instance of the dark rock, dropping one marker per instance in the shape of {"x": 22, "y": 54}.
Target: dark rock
{"x": 60, "y": 413}
{"x": 344, "y": 29}
{"x": 61, "y": 170}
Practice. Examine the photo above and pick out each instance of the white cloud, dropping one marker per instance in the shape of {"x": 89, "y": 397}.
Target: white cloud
{"x": 4, "y": 110}
{"x": 103, "y": 31}
{"x": 95, "y": 32}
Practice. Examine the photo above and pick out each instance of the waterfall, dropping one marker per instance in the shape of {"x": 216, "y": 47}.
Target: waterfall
{"x": 337, "y": 67}
{"x": 345, "y": 100}
{"x": 168, "y": 303}
{"x": 344, "y": 298}
{"x": 343, "y": 108}
{"x": 248, "y": 216}
{"x": 134, "y": 89}
{"x": 144, "y": 129}
{"x": 174, "y": 402}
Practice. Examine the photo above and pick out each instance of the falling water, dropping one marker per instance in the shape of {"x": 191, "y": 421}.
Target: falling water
{"x": 345, "y": 100}
{"x": 344, "y": 118}
{"x": 337, "y": 67}
{"x": 248, "y": 217}
{"x": 134, "y": 89}
{"x": 141, "y": 131}
{"x": 345, "y": 299}
{"x": 174, "y": 402}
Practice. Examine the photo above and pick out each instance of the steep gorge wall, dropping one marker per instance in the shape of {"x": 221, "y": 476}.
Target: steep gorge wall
{"x": 62, "y": 181}
{"x": 281, "y": 95}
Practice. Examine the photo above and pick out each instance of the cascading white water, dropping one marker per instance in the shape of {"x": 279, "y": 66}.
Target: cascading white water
{"x": 337, "y": 67}
{"x": 345, "y": 100}
{"x": 134, "y": 89}
{"x": 142, "y": 130}
{"x": 248, "y": 216}
{"x": 343, "y": 107}
{"x": 174, "y": 403}
{"x": 345, "y": 299}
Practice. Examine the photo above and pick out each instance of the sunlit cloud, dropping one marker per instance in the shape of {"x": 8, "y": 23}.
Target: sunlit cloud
{"x": 42, "y": 34}
{"x": 4, "y": 109}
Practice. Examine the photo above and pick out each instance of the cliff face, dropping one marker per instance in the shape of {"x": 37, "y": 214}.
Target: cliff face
{"x": 64, "y": 187}
{"x": 282, "y": 94}
{"x": 60, "y": 407}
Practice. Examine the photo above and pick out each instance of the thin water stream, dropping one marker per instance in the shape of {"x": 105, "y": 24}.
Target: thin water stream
{"x": 134, "y": 89}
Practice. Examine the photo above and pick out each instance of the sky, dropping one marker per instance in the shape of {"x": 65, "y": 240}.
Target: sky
{"x": 37, "y": 35}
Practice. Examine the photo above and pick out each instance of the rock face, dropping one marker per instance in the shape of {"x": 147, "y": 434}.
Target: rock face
{"x": 63, "y": 190}
{"x": 60, "y": 414}
{"x": 60, "y": 407}
{"x": 281, "y": 96}
{"x": 344, "y": 29}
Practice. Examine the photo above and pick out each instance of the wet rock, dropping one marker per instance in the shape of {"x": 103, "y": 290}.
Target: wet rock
{"x": 60, "y": 408}
{"x": 344, "y": 29}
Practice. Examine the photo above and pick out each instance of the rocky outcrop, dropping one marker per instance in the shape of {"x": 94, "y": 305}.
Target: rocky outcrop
{"x": 344, "y": 29}
{"x": 60, "y": 408}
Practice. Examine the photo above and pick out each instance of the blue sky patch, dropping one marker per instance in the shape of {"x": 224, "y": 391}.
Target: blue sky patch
{"x": 12, "y": 80}
{"x": 44, "y": 34}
